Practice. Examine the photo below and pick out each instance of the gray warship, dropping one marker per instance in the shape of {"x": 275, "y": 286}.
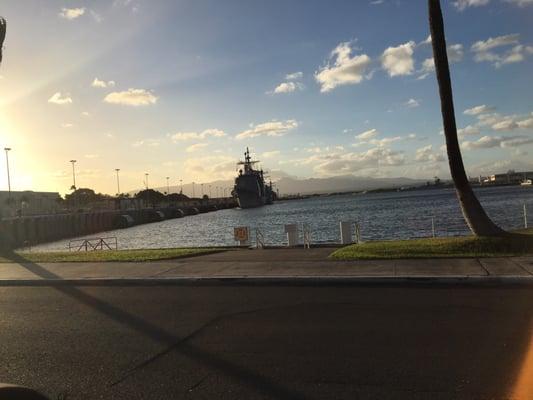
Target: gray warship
{"x": 250, "y": 188}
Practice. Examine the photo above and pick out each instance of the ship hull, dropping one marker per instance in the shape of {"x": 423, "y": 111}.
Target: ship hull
{"x": 249, "y": 199}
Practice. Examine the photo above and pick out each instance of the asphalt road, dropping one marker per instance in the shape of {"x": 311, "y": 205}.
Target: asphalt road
{"x": 242, "y": 342}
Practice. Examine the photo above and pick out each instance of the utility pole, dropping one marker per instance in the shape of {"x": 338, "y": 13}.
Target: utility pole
{"x": 118, "y": 182}
{"x": 7, "y": 150}
{"x": 73, "y": 174}
{"x": 168, "y": 187}
{"x": 146, "y": 179}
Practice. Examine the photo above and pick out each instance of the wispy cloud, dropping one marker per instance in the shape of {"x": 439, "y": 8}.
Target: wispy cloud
{"x": 272, "y": 128}
{"x": 132, "y": 97}
{"x": 97, "y": 83}
{"x": 183, "y": 136}
{"x": 461, "y": 5}
{"x": 195, "y": 147}
{"x": 71, "y": 13}
{"x": 60, "y": 99}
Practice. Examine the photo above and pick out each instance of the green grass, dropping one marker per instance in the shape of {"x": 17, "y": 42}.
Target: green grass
{"x": 108, "y": 255}
{"x": 515, "y": 244}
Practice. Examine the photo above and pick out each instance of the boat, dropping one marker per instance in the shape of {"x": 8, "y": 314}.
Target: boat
{"x": 250, "y": 188}
{"x": 526, "y": 182}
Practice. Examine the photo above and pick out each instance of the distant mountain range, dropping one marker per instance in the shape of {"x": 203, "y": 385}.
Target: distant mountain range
{"x": 292, "y": 185}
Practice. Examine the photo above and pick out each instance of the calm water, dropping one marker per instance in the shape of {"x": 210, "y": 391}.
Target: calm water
{"x": 380, "y": 215}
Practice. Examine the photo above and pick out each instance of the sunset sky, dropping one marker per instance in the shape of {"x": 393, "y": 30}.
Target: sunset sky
{"x": 314, "y": 88}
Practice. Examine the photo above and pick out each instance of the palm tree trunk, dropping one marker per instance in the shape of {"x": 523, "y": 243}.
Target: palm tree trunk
{"x": 3, "y": 25}
{"x": 477, "y": 219}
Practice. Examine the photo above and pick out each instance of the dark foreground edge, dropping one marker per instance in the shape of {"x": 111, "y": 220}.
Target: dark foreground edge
{"x": 280, "y": 281}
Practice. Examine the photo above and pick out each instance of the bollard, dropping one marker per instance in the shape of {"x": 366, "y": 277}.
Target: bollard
{"x": 346, "y": 232}
{"x": 292, "y": 234}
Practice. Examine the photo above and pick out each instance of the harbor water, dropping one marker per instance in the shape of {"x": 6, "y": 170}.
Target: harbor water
{"x": 386, "y": 215}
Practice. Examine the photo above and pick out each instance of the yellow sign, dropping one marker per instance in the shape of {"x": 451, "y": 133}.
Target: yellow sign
{"x": 241, "y": 233}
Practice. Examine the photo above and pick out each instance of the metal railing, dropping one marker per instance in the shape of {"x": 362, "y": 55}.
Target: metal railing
{"x": 259, "y": 239}
{"x": 93, "y": 244}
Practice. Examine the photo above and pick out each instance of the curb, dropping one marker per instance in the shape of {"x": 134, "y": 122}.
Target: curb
{"x": 278, "y": 281}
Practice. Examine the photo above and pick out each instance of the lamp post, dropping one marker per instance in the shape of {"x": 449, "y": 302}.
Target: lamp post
{"x": 181, "y": 186}
{"x": 210, "y": 191}
{"x": 202, "y": 185}
{"x": 168, "y": 187}
{"x": 73, "y": 162}
{"x": 146, "y": 179}
{"x": 118, "y": 182}
{"x": 7, "y": 150}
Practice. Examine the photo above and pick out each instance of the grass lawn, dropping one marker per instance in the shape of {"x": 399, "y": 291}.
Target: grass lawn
{"x": 108, "y": 255}
{"x": 514, "y": 244}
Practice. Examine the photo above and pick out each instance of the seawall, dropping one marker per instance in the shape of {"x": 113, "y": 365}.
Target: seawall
{"x": 32, "y": 230}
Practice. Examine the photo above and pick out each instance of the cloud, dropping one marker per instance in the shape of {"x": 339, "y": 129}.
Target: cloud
{"x": 85, "y": 114}
{"x": 271, "y": 154}
{"x": 71, "y": 13}
{"x": 385, "y": 141}
{"x": 367, "y": 134}
{"x": 272, "y": 128}
{"x": 342, "y": 68}
{"x": 468, "y": 130}
{"x": 182, "y": 136}
{"x": 294, "y": 76}
{"x": 485, "y": 50}
{"x": 288, "y": 87}
{"x": 66, "y": 125}
{"x": 412, "y": 103}
{"x": 399, "y": 60}
{"x": 520, "y": 3}
{"x": 426, "y": 154}
{"x": 195, "y": 147}
{"x": 102, "y": 84}
{"x": 482, "y": 109}
{"x": 60, "y": 99}
{"x": 144, "y": 142}
{"x": 487, "y": 142}
{"x": 132, "y": 97}
{"x": 463, "y": 4}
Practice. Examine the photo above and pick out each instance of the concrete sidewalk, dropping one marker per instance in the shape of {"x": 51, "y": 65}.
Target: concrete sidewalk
{"x": 272, "y": 264}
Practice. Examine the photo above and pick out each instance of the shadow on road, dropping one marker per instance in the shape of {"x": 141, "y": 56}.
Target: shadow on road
{"x": 259, "y": 383}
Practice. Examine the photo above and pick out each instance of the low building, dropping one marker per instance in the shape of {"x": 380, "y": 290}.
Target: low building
{"x": 510, "y": 177}
{"x": 27, "y": 202}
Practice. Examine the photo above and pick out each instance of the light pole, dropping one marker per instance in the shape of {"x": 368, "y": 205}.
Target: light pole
{"x": 181, "y": 186}
{"x": 73, "y": 174}
{"x": 193, "y": 190}
{"x": 146, "y": 179}
{"x": 118, "y": 182}
{"x": 210, "y": 191}
{"x": 7, "y": 150}
{"x": 168, "y": 187}
{"x": 202, "y": 185}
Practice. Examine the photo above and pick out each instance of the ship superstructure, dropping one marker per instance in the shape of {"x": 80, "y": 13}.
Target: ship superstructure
{"x": 250, "y": 188}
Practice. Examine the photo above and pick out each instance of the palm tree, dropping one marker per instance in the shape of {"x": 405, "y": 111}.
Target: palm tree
{"x": 3, "y": 25}
{"x": 477, "y": 219}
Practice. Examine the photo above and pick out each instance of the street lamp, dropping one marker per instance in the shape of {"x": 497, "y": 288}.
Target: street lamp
{"x": 118, "y": 182}
{"x": 181, "y": 186}
{"x": 146, "y": 179}
{"x": 73, "y": 174}
{"x": 7, "y": 150}
{"x": 202, "y": 189}
{"x": 168, "y": 187}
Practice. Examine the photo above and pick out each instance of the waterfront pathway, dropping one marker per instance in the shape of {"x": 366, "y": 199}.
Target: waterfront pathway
{"x": 268, "y": 265}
